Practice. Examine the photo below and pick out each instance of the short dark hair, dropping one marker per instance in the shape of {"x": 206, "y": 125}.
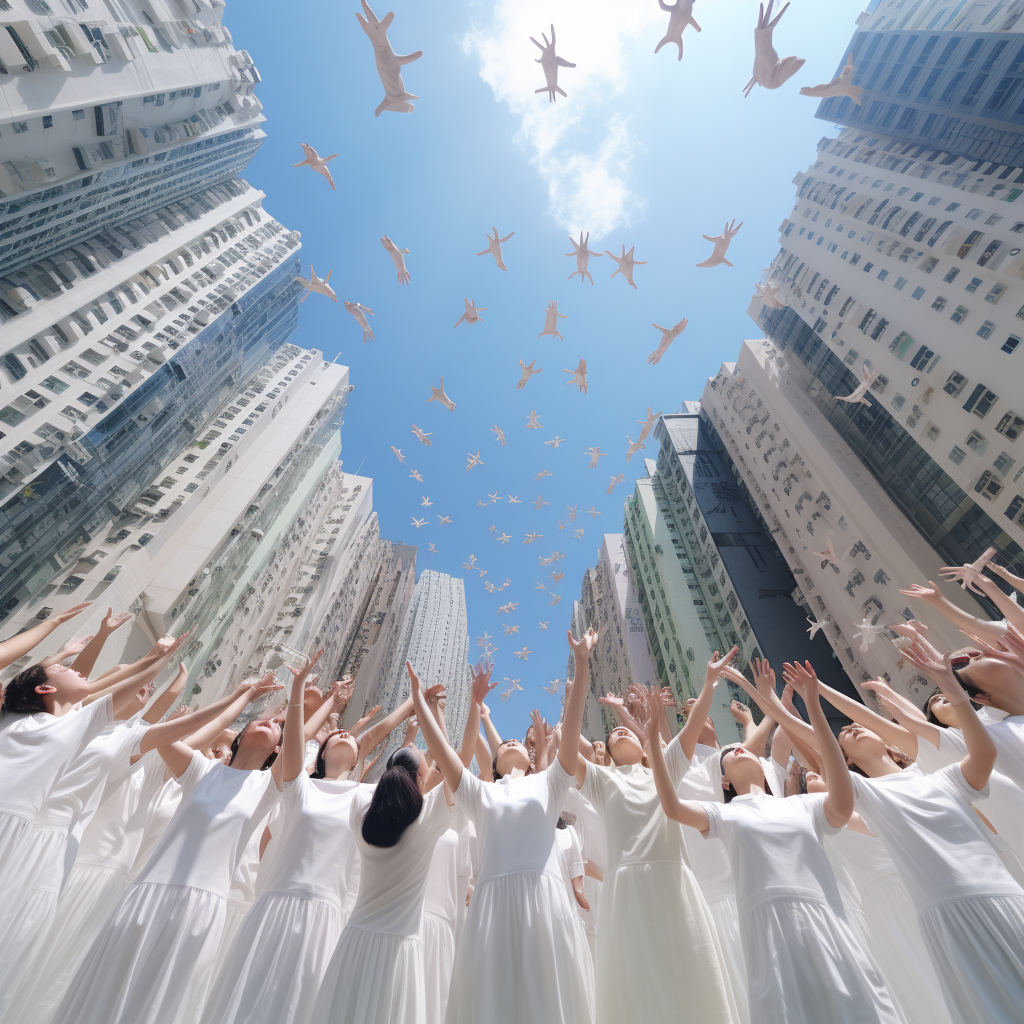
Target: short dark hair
{"x": 397, "y": 800}
{"x": 20, "y": 697}
{"x": 238, "y": 739}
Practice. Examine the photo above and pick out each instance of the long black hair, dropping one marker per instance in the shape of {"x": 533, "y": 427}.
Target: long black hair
{"x": 20, "y": 695}
{"x": 238, "y": 739}
{"x": 397, "y": 800}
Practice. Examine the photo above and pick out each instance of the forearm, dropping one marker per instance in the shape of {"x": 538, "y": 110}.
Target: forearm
{"x": 981, "y": 751}
{"x": 1017, "y": 582}
{"x": 293, "y": 740}
{"x": 86, "y": 661}
{"x": 177, "y": 730}
{"x": 1012, "y": 612}
{"x": 231, "y": 707}
{"x": 627, "y": 720}
{"x": 20, "y": 645}
{"x": 124, "y": 671}
{"x": 493, "y": 739}
{"x": 983, "y": 628}
{"x": 165, "y": 699}
{"x": 316, "y": 720}
{"x": 695, "y": 720}
{"x": 444, "y": 756}
{"x": 385, "y": 726}
{"x": 484, "y": 758}
{"x": 839, "y": 802}
{"x": 124, "y": 689}
{"x": 470, "y": 734}
{"x": 756, "y": 738}
{"x": 684, "y": 811}
{"x": 889, "y": 730}
{"x": 572, "y": 716}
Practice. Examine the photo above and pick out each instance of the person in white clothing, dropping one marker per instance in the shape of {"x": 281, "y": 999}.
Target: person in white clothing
{"x": 804, "y": 961}
{"x": 516, "y": 963}
{"x": 440, "y": 920}
{"x": 153, "y": 958}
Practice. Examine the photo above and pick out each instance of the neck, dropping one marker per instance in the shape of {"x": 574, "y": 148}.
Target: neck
{"x": 748, "y": 788}
{"x": 876, "y": 767}
{"x": 248, "y": 762}
{"x": 60, "y": 708}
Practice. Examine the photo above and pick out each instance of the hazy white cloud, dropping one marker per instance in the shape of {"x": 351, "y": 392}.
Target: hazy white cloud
{"x": 582, "y": 153}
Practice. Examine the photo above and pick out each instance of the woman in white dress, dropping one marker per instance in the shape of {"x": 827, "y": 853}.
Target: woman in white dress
{"x": 651, "y": 904}
{"x": 152, "y": 960}
{"x": 516, "y": 961}
{"x": 376, "y": 974}
{"x": 804, "y": 961}
{"x": 441, "y": 919}
{"x": 970, "y": 909}
{"x": 294, "y": 924}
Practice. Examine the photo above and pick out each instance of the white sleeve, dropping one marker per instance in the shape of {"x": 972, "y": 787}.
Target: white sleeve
{"x": 575, "y": 854}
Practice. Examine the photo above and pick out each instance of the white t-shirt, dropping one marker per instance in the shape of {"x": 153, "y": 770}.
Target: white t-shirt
{"x": 393, "y": 879}
{"x": 516, "y": 820}
{"x": 442, "y": 898}
{"x": 35, "y": 750}
{"x": 776, "y": 848}
{"x": 935, "y": 839}
{"x": 1008, "y": 736}
{"x": 589, "y": 827}
{"x": 570, "y": 859}
{"x": 204, "y": 841}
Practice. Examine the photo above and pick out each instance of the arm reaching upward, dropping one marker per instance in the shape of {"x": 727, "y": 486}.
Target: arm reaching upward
{"x": 85, "y": 662}
{"x": 699, "y": 712}
{"x": 890, "y": 731}
{"x": 385, "y": 727}
{"x": 481, "y": 687}
{"x": 493, "y": 738}
{"x": 984, "y": 628}
{"x": 293, "y": 741}
{"x": 444, "y": 756}
{"x": 336, "y": 701}
{"x": 20, "y": 645}
{"x": 572, "y": 716}
{"x": 168, "y": 695}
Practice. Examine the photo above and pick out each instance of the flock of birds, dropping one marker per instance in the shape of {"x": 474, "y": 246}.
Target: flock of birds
{"x": 770, "y": 72}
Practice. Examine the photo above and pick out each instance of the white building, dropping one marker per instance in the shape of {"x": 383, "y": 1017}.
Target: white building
{"x": 109, "y": 111}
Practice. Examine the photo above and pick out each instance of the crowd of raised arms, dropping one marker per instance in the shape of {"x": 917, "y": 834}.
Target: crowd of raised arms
{"x": 163, "y": 865}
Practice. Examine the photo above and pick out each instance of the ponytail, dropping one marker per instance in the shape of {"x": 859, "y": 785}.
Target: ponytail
{"x": 397, "y": 800}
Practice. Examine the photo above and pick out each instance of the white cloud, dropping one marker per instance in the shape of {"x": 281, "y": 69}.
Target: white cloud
{"x": 581, "y": 151}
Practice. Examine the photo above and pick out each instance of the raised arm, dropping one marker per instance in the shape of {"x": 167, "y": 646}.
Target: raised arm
{"x": 337, "y": 700}
{"x": 907, "y": 715}
{"x": 984, "y": 628}
{"x": 18, "y": 646}
{"x": 699, "y": 712}
{"x": 981, "y": 751}
{"x": 493, "y": 738}
{"x": 484, "y": 758}
{"x": 572, "y": 716}
{"x": 481, "y": 687}
{"x": 202, "y": 737}
{"x": 618, "y": 706}
{"x": 166, "y": 698}
{"x": 293, "y": 740}
{"x": 385, "y": 727}
{"x": 86, "y": 661}
{"x": 1012, "y": 612}
{"x": 444, "y": 756}
{"x": 889, "y": 730}
{"x": 1016, "y": 582}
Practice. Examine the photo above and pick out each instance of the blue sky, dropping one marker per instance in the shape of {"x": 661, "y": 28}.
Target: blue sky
{"x": 645, "y": 151}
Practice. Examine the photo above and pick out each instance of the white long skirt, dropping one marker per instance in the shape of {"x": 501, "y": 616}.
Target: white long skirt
{"x": 151, "y": 962}
{"x": 438, "y": 958}
{"x": 650, "y": 912}
{"x": 373, "y": 978}
{"x": 26, "y": 849}
{"x": 805, "y": 966}
{"x": 730, "y": 947}
{"x": 271, "y": 973}
{"x": 977, "y": 947}
{"x": 517, "y": 961}
{"x": 901, "y": 953}
{"x": 22, "y": 947}
{"x": 87, "y": 900}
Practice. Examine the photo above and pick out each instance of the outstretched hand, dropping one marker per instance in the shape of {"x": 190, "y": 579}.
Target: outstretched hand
{"x": 59, "y": 618}
{"x": 716, "y": 664}
{"x": 1010, "y": 650}
{"x": 764, "y": 675}
{"x": 111, "y": 621}
{"x": 583, "y": 647}
{"x": 482, "y": 684}
{"x": 803, "y": 679}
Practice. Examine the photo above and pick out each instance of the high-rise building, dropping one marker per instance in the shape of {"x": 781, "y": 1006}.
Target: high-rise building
{"x": 111, "y": 112}
{"x": 141, "y": 343}
{"x": 947, "y": 74}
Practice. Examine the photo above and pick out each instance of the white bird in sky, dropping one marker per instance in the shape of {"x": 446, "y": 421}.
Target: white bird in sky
{"x": 555, "y": 441}
{"x": 829, "y": 555}
{"x": 514, "y": 499}
{"x": 555, "y": 598}
{"x": 509, "y": 630}
{"x": 543, "y": 625}
{"x": 489, "y": 587}
{"x": 769, "y": 295}
{"x": 595, "y": 453}
{"x": 524, "y": 654}
{"x": 316, "y": 162}
{"x": 422, "y": 435}
{"x": 533, "y": 423}
{"x": 541, "y": 586}
{"x": 531, "y": 537}
{"x": 553, "y": 686}
{"x": 438, "y": 395}
{"x": 857, "y": 396}
{"x": 550, "y": 62}
{"x": 593, "y": 512}
{"x": 561, "y": 525}
{"x": 495, "y": 498}
{"x": 543, "y": 473}
{"x": 680, "y": 14}
{"x": 397, "y": 257}
{"x": 528, "y": 372}
{"x": 578, "y": 532}
{"x": 626, "y": 263}
{"x": 668, "y": 335}
{"x": 494, "y": 247}
{"x": 551, "y": 318}
{"x": 573, "y": 509}
{"x": 815, "y": 626}
{"x": 505, "y": 538}
{"x": 540, "y": 502}
{"x": 579, "y": 376}
{"x": 473, "y": 460}
{"x": 418, "y": 522}
{"x": 615, "y": 480}
{"x": 426, "y": 502}
{"x": 389, "y": 64}
{"x": 398, "y": 453}
{"x": 841, "y": 85}
{"x": 432, "y": 547}
{"x": 558, "y": 576}
{"x": 492, "y": 528}
{"x": 472, "y": 314}
{"x": 318, "y": 285}
{"x": 634, "y": 447}
{"x": 481, "y": 641}
{"x": 721, "y": 242}
{"x": 868, "y": 633}
{"x": 769, "y": 71}
{"x": 416, "y": 475}
{"x": 582, "y": 254}
{"x": 648, "y": 425}
{"x": 499, "y": 434}
{"x": 359, "y": 311}
{"x": 443, "y": 519}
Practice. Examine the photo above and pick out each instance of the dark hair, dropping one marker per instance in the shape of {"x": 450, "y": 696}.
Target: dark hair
{"x": 929, "y": 714}
{"x": 238, "y": 739}
{"x": 397, "y": 800}
{"x": 970, "y": 689}
{"x": 730, "y": 789}
{"x": 561, "y": 823}
{"x": 20, "y": 695}
{"x": 320, "y": 769}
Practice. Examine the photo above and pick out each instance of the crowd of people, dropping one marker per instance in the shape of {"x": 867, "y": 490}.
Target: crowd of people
{"x": 167, "y": 865}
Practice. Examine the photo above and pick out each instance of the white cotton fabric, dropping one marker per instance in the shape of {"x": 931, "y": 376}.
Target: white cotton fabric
{"x": 152, "y": 961}
{"x": 516, "y": 962}
{"x": 440, "y": 921}
{"x": 957, "y": 883}
{"x": 294, "y": 924}
{"x": 652, "y": 907}
{"x": 162, "y": 809}
{"x": 805, "y": 965}
{"x": 570, "y": 859}
{"x": 376, "y": 974}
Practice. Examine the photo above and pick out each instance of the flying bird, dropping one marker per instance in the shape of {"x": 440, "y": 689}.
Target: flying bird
{"x": 540, "y": 502}
{"x": 473, "y": 460}
{"x": 495, "y": 498}
{"x": 533, "y": 423}
{"x": 543, "y": 473}
{"x": 437, "y": 395}
{"x": 541, "y": 586}
{"x": 841, "y": 85}
{"x": 359, "y": 311}
{"x": 578, "y": 532}
{"x": 442, "y": 520}
{"x": 494, "y": 247}
{"x": 483, "y": 572}
{"x": 550, "y": 63}
{"x": 769, "y": 295}
{"x": 615, "y": 480}
{"x": 505, "y": 538}
{"x": 416, "y": 475}
{"x": 555, "y": 599}
{"x": 509, "y": 630}
{"x": 318, "y": 163}
{"x": 426, "y": 502}
{"x": 418, "y": 522}
{"x": 829, "y": 555}
{"x": 397, "y": 257}
{"x": 857, "y": 396}
{"x": 668, "y": 335}
{"x": 491, "y": 528}
{"x": 721, "y": 242}
{"x": 626, "y": 263}
{"x": 595, "y": 453}
{"x": 524, "y": 654}
{"x": 558, "y": 576}
{"x": 634, "y": 447}
{"x": 422, "y": 435}
{"x": 398, "y": 453}
{"x": 680, "y": 14}
{"x": 579, "y": 376}
{"x": 318, "y": 285}
{"x": 389, "y": 63}
{"x": 514, "y": 499}
{"x": 432, "y": 547}
{"x": 561, "y": 525}
{"x": 528, "y": 372}
{"x": 815, "y": 626}
{"x": 553, "y": 686}
{"x": 551, "y": 318}
{"x": 573, "y": 509}
{"x": 868, "y": 633}
{"x": 646, "y": 427}
{"x": 499, "y": 434}
{"x": 769, "y": 71}
{"x": 472, "y": 314}
{"x": 482, "y": 641}
{"x": 531, "y": 537}
{"x": 582, "y": 254}
{"x": 593, "y": 512}
{"x": 489, "y": 587}
{"x": 555, "y": 441}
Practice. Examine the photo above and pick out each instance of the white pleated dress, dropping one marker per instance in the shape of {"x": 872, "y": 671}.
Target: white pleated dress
{"x": 151, "y": 963}
{"x": 517, "y": 963}
{"x": 970, "y": 909}
{"x": 652, "y": 908}
{"x": 590, "y": 829}
{"x": 804, "y": 961}
{"x": 441, "y": 917}
{"x": 376, "y": 974}
{"x": 294, "y": 924}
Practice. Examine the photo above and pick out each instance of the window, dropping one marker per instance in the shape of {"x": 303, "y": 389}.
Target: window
{"x": 47, "y": 120}
{"x": 918, "y": 292}
{"x": 976, "y": 442}
{"x": 879, "y": 329}
{"x": 951, "y": 275}
{"x": 959, "y": 314}
{"x": 957, "y": 455}
{"x": 968, "y": 244}
{"x": 921, "y": 357}
{"x": 55, "y": 384}
{"x": 1010, "y": 426}
{"x": 900, "y": 282}
{"x": 900, "y": 344}
{"x": 995, "y": 293}
{"x": 883, "y": 274}
{"x": 987, "y": 486}
{"x": 973, "y": 286}
{"x": 15, "y": 367}
{"x": 990, "y": 251}
{"x": 986, "y": 329}
{"x": 1003, "y": 463}
{"x": 929, "y": 264}
{"x": 897, "y": 402}
{"x": 940, "y": 304}
{"x": 981, "y": 401}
